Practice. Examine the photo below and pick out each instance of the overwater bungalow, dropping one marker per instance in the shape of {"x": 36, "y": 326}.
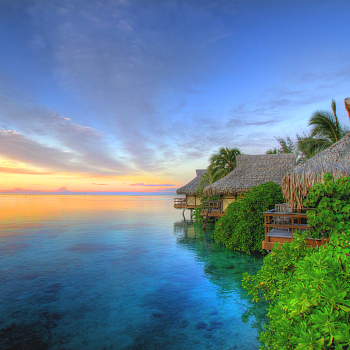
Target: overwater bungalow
{"x": 281, "y": 222}
{"x": 251, "y": 170}
{"x": 191, "y": 200}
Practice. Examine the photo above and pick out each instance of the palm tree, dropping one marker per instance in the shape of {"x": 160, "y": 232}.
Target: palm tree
{"x": 326, "y": 131}
{"x": 222, "y": 163}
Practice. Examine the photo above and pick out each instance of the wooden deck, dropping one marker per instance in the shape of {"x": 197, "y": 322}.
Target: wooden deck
{"x": 212, "y": 209}
{"x": 280, "y": 226}
{"x": 181, "y": 203}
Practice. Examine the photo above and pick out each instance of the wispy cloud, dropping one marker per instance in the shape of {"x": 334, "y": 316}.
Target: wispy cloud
{"x": 151, "y": 87}
{"x": 118, "y": 64}
{"x": 18, "y": 147}
{"x": 19, "y": 190}
{"x": 151, "y": 185}
{"x": 60, "y": 144}
{"x": 13, "y": 170}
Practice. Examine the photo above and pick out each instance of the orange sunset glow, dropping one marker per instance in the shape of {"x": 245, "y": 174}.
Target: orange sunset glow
{"x": 98, "y": 97}
{"x": 21, "y": 177}
{"x": 80, "y": 183}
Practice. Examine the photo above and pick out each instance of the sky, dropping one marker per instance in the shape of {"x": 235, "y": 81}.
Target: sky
{"x": 135, "y": 95}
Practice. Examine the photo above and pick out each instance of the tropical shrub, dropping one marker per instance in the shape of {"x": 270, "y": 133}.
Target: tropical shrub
{"x": 241, "y": 227}
{"x": 331, "y": 203}
{"x": 276, "y": 270}
{"x": 309, "y": 289}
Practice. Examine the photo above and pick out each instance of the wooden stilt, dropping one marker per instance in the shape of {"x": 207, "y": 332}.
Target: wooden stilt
{"x": 206, "y": 220}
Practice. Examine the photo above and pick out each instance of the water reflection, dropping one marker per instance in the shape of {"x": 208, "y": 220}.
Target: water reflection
{"x": 98, "y": 273}
{"x": 223, "y": 267}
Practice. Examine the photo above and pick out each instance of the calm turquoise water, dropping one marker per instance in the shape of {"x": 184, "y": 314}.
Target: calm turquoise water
{"x": 118, "y": 272}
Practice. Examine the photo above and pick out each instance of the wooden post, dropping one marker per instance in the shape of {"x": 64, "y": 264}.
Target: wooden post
{"x": 267, "y": 238}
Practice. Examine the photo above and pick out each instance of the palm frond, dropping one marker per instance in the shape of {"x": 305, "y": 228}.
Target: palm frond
{"x": 325, "y": 126}
{"x": 310, "y": 146}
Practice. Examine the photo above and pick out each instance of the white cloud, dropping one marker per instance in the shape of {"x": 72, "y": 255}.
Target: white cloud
{"x": 59, "y": 145}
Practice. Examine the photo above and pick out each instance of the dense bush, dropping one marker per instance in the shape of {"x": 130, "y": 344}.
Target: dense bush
{"x": 276, "y": 270}
{"x": 310, "y": 293}
{"x": 309, "y": 288}
{"x": 241, "y": 227}
{"x": 331, "y": 203}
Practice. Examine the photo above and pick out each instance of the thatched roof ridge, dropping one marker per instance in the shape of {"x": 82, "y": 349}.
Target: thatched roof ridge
{"x": 252, "y": 170}
{"x": 191, "y": 187}
{"x": 335, "y": 160}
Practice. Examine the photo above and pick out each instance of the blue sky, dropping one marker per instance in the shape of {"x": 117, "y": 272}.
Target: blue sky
{"x": 141, "y": 93}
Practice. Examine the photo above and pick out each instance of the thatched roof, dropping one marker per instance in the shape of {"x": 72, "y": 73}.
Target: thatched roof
{"x": 191, "y": 187}
{"x": 335, "y": 160}
{"x": 252, "y": 171}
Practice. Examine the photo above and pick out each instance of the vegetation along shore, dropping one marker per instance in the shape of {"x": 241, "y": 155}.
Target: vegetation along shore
{"x": 293, "y": 203}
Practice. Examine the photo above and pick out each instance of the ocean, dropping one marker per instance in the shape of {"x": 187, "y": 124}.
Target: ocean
{"x": 119, "y": 272}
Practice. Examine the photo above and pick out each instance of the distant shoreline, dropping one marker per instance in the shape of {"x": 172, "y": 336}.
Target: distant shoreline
{"x": 88, "y": 193}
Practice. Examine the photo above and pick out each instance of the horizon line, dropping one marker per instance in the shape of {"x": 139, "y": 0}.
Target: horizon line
{"x": 109, "y": 193}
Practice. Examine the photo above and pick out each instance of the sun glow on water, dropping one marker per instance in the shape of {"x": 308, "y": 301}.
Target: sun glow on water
{"x": 118, "y": 272}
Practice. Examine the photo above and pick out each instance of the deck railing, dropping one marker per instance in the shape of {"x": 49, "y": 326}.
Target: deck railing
{"x": 212, "y": 206}
{"x": 282, "y": 222}
{"x": 280, "y": 226}
{"x": 180, "y": 202}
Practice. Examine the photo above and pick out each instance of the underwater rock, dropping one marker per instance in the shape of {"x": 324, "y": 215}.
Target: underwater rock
{"x": 184, "y": 324}
{"x": 215, "y": 324}
{"x": 201, "y": 325}
{"x": 53, "y": 288}
{"x": 33, "y": 336}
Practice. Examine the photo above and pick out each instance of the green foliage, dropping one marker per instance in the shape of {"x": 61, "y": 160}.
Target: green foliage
{"x": 277, "y": 268}
{"x": 272, "y": 151}
{"x": 310, "y": 293}
{"x": 197, "y": 214}
{"x": 241, "y": 228}
{"x": 205, "y": 181}
{"x": 331, "y": 203}
{"x": 286, "y": 146}
{"x": 309, "y": 288}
